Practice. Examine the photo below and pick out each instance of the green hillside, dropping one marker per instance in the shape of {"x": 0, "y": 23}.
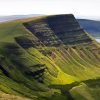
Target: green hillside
{"x": 49, "y": 58}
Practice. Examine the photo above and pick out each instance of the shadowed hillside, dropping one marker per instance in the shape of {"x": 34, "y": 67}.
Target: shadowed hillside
{"x": 91, "y": 26}
{"x": 49, "y": 58}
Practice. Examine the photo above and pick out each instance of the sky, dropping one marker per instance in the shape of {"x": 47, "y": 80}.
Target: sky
{"x": 80, "y": 8}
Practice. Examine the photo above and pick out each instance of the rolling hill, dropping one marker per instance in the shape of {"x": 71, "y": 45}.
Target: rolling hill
{"x": 49, "y": 58}
{"x": 14, "y": 17}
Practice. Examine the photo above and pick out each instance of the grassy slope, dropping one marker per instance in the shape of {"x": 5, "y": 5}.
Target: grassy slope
{"x": 69, "y": 66}
{"x": 10, "y": 31}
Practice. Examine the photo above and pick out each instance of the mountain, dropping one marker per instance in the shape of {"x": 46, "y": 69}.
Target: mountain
{"x": 48, "y": 58}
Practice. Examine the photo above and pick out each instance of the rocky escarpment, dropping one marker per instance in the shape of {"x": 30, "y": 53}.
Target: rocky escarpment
{"x": 58, "y": 29}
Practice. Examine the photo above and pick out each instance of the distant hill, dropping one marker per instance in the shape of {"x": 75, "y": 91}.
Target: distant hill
{"x": 91, "y": 26}
{"x": 14, "y": 17}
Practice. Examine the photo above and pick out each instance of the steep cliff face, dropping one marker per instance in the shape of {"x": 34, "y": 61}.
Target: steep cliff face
{"x": 58, "y": 29}
{"x": 47, "y": 58}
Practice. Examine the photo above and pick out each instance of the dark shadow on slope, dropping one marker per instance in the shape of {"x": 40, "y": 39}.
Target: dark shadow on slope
{"x": 27, "y": 42}
{"x": 15, "y": 54}
{"x": 93, "y": 82}
{"x": 5, "y": 72}
{"x": 38, "y": 75}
